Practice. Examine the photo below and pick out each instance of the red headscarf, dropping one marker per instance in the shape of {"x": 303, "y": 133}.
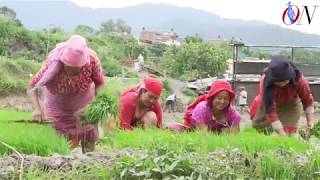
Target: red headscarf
{"x": 218, "y": 86}
{"x": 153, "y": 85}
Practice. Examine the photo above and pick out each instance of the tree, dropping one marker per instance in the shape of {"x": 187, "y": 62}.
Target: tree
{"x": 195, "y": 59}
{"x": 5, "y": 11}
{"x": 119, "y": 26}
{"x": 84, "y": 30}
{"x": 193, "y": 39}
{"x": 122, "y": 26}
{"x": 107, "y": 26}
{"x": 158, "y": 49}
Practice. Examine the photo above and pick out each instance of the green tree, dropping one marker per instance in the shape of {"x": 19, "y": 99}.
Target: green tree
{"x": 5, "y": 11}
{"x": 193, "y": 39}
{"x": 157, "y": 49}
{"x": 84, "y": 30}
{"x": 107, "y": 26}
{"x": 122, "y": 26}
{"x": 195, "y": 59}
{"x": 119, "y": 26}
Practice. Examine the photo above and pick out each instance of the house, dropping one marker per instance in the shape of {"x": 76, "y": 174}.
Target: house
{"x": 168, "y": 38}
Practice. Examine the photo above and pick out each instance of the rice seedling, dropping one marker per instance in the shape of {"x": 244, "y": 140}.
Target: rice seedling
{"x": 12, "y": 115}
{"x": 32, "y": 139}
{"x": 316, "y": 130}
{"x": 101, "y": 109}
{"x": 248, "y": 141}
{"x": 306, "y": 132}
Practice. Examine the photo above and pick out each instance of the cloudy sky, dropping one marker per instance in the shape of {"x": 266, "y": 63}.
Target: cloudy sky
{"x": 269, "y": 11}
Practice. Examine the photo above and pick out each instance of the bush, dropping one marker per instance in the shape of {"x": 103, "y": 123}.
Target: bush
{"x": 111, "y": 68}
{"x": 15, "y": 75}
{"x": 189, "y": 92}
{"x": 167, "y": 90}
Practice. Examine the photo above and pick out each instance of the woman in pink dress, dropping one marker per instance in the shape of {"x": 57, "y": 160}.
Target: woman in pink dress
{"x": 212, "y": 111}
{"x": 69, "y": 78}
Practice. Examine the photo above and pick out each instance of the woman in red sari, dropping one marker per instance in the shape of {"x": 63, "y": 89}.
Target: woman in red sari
{"x": 140, "y": 105}
{"x": 69, "y": 79}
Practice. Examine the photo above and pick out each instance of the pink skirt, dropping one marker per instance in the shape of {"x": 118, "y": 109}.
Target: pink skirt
{"x": 61, "y": 109}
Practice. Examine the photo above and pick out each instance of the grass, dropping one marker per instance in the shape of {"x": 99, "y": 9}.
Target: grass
{"x": 32, "y": 139}
{"x": 116, "y": 86}
{"x": 15, "y": 75}
{"x": 248, "y": 141}
{"x": 189, "y": 92}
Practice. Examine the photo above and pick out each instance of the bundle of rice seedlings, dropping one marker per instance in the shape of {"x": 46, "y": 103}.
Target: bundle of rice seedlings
{"x": 100, "y": 110}
{"x": 306, "y": 133}
{"x": 316, "y": 130}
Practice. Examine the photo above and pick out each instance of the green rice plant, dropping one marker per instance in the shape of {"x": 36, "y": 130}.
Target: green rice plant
{"x": 308, "y": 167}
{"x": 316, "y": 130}
{"x": 103, "y": 107}
{"x": 286, "y": 164}
{"x": 32, "y": 139}
{"x": 306, "y": 132}
{"x": 272, "y": 167}
{"x": 12, "y": 115}
{"x": 248, "y": 141}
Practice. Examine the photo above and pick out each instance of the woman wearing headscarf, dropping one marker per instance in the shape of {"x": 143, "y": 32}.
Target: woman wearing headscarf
{"x": 282, "y": 89}
{"x": 212, "y": 111}
{"x": 140, "y": 106}
{"x": 69, "y": 77}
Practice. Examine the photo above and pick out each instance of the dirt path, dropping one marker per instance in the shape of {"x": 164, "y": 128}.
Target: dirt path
{"x": 177, "y": 87}
{"x": 10, "y": 165}
{"x": 175, "y": 84}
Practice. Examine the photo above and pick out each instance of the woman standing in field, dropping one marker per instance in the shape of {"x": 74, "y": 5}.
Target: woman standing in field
{"x": 282, "y": 89}
{"x": 70, "y": 78}
{"x": 140, "y": 105}
{"x": 212, "y": 111}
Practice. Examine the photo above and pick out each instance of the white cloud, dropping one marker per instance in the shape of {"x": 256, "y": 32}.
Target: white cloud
{"x": 269, "y": 11}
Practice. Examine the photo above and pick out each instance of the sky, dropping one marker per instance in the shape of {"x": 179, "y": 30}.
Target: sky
{"x": 269, "y": 11}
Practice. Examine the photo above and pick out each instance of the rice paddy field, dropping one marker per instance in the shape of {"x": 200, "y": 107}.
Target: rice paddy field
{"x": 153, "y": 154}
{"x": 35, "y": 151}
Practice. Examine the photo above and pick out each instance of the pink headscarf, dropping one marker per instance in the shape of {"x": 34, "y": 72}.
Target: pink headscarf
{"x": 73, "y": 52}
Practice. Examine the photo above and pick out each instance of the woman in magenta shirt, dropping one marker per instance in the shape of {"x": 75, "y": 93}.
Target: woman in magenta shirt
{"x": 212, "y": 111}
